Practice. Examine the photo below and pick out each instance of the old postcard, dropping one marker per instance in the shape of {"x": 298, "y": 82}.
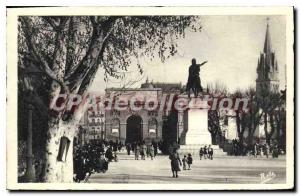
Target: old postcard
{"x": 150, "y": 98}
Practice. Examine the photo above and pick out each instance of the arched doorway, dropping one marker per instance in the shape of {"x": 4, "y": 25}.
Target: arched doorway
{"x": 134, "y": 129}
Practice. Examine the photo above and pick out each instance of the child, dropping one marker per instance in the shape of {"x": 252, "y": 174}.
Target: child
{"x": 205, "y": 152}
{"x": 210, "y": 152}
{"x": 189, "y": 161}
{"x": 184, "y": 162}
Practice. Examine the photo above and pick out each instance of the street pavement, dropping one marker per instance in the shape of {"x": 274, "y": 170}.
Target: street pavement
{"x": 226, "y": 169}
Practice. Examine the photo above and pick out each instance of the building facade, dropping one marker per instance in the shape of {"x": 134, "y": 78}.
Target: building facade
{"x": 95, "y": 124}
{"x": 149, "y": 121}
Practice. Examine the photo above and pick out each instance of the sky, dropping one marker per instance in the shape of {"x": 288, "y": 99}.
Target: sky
{"x": 230, "y": 44}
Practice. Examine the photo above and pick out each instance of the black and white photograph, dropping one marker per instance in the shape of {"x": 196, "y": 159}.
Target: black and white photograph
{"x": 150, "y": 98}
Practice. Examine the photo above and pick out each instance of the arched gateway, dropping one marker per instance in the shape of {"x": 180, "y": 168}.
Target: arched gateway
{"x": 134, "y": 128}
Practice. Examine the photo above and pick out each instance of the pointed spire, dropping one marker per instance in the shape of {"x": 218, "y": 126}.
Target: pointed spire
{"x": 267, "y": 45}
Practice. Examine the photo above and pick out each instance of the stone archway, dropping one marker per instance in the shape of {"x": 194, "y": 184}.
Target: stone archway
{"x": 134, "y": 128}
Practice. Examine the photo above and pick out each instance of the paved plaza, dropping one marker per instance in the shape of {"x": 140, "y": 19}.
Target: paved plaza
{"x": 224, "y": 169}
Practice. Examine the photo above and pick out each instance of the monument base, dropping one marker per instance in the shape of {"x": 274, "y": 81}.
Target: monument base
{"x": 197, "y": 132}
{"x": 194, "y": 150}
{"x": 199, "y": 138}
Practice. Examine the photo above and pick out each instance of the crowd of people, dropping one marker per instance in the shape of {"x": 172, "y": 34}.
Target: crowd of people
{"x": 258, "y": 149}
{"x": 206, "y": 152}
{"x": 94, "y": 158}
{"x": 265, "y": 150}
{"x": 142, "y": 150}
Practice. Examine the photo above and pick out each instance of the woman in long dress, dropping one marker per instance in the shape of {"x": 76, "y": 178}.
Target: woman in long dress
{"x": 175, "y": 163}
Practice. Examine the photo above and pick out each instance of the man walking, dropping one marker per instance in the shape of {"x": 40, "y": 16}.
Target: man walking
{"x": 143, "y": 151}
{"x": 137, "y": 151}
{"x": 128, "y": 148}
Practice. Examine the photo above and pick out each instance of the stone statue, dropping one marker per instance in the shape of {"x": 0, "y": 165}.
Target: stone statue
{"x": 194, "y": 81}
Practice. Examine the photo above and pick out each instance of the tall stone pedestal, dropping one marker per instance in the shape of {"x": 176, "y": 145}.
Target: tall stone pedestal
{"x": 193, "y": 124}
{"x": 197, "y": 123}
{"x": 197, "y": 132}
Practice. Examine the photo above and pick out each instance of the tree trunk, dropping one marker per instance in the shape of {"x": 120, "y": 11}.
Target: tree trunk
{"x": 272, "y": 125}
{"x": 59, "y": 171}
{"x": 250, "y": 134}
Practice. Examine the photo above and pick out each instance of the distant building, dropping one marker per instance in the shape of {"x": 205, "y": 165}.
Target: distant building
{"x": 228, "y": 125}
{"x": 142, "y": 125}
{"x": 96, "y": 123}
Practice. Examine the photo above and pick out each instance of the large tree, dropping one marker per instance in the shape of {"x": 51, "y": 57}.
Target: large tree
{"x": 270, "y": 103}
{"x": 67, "y": 52}
{"x": 253, "y": 115}
{"x": 241, "y": 116}
{"x": 215, "y": 116}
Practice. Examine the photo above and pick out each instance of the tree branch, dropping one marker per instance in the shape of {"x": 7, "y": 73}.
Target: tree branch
{"x": 54, "y": 24}
{"x": 38, "y": 57}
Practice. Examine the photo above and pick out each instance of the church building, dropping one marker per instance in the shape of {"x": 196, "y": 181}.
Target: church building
{"x": 267, "y": 79}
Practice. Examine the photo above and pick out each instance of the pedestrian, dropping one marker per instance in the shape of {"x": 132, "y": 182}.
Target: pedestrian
{"x": 267, "y": 148}
{"x": 205, "y": 152}
{"x": 184, "y": 162}
{"x": 120, "y": 145}
{"x": 154, "y": 143}
{"x": 210, "y": 152}
{"x": 137, "y": 151}
{"x": 152, "y": 155}
{"x": 115, "y": 148}
{"x": 143, "y": 151}
{"x": 201, "y": 152}
{"x": 102, "y": 164}
{"x": 261, "y": 151}
{"x": 109, "y": 154}
{"x": 116, "y": 159}
{"x": 175, "y": 163}
{"x": 128, "y": 148}
{"x": 189, "y": 161}
{"x": 133, "y": 145}
{"x": 275, "y": 151}
{"x": 255, "y": 150}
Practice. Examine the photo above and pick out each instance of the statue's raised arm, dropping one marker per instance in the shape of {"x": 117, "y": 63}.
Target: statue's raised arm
{"x": 202, "y": 63}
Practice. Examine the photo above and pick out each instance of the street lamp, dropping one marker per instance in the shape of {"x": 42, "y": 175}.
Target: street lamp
{"x": 27, "y": 80}
{"x": 26, "y": 76}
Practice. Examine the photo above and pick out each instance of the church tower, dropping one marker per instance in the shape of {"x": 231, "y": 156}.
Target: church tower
{"x": 267, "y": 80}
{"x": 267, "y": 69}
